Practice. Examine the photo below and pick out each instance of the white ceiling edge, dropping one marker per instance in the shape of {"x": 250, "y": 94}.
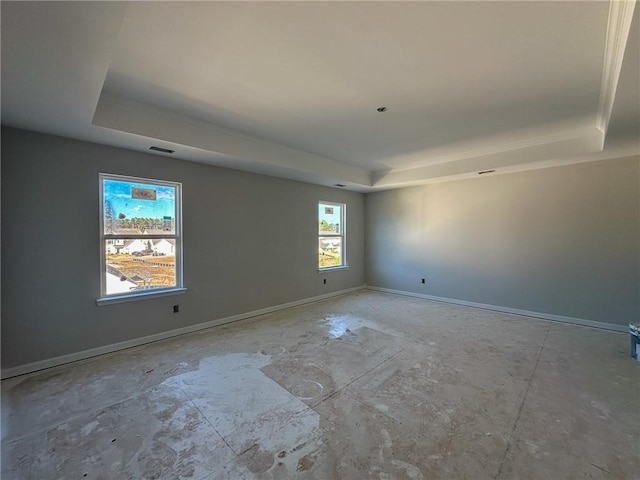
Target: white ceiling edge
{"x": 619, "y": 25}
{"x": 623, "y": 149}
{"x": 199, "y": 141}
{"x": 130, "y": 116}
{"x": 548, "y": 134}
{"x": 570, "y": 144}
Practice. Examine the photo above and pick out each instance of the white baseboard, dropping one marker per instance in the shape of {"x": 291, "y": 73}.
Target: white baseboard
{"x": 514, "y": 311}
{"x": 114, "y": 347}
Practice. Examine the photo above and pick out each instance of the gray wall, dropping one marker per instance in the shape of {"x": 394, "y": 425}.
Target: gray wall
{"x": 250, "y": 242}
{"x": 562, "y": 241}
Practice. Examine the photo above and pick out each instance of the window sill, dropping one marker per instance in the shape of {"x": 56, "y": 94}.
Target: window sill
{"x": 139, "y": 296}
{"x": 333, "y": 269}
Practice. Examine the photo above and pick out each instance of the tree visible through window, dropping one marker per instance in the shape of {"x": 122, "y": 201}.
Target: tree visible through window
{"x": 140, "y": 228}
{"x": 331, "y": 235}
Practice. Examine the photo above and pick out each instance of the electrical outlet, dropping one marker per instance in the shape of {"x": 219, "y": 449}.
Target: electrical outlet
{"x": 424, "y": 280}
{"x": 176, "y": 308}
{"x": 324, "y": 280}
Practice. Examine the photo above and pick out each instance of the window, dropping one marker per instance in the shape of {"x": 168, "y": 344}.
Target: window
{"x": 140, "y": 225}
{"x": 331, "y": 235}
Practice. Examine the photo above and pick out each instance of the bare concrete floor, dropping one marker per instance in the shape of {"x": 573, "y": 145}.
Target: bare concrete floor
{"x": 363, "y": 386}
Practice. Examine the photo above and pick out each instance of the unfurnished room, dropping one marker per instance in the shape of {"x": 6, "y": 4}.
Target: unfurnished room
{"x": 320, "y": 240}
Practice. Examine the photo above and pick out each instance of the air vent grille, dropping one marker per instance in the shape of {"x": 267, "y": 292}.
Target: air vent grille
{"x": 160, "y": 149}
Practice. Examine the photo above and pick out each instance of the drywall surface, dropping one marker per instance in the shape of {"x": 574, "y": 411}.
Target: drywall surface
{"x": 561, "y": 241}
{"x": 250, "y": 242}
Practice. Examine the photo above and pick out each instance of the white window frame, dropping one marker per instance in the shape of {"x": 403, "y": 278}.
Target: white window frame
{"x": 342, "y": 235}
{"x": 179, "y": 288}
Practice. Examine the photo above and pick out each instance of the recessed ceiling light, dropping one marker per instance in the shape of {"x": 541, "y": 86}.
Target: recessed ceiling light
{"x": 486, "y": 171}
{"x": 381, "y": 109}
{"x": 163, "y": 150}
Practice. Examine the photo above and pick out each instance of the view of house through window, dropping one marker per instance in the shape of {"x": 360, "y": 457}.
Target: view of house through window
{"x": 331, "y": 235}
{"x": 140, "y": 235}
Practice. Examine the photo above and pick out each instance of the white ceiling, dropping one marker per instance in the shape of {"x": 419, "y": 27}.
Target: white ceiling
{"x": 291, "y": 88}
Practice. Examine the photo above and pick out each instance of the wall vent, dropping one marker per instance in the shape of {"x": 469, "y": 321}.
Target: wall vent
{"x": 159, "y": 149}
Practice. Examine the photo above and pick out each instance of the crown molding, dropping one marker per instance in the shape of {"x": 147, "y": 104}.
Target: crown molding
{"x": 619, "y": 24}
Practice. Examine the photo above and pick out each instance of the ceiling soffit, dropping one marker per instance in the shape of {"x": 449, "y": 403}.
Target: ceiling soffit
{"x": 573, "y": 137}
{"x": 450, "y": 116}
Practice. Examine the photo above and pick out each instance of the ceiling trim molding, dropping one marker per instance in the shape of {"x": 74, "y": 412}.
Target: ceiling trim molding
{"x": 619, "y": 24}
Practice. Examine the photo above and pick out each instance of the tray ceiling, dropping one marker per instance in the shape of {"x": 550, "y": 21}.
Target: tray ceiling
{"x": 292, "y": 88}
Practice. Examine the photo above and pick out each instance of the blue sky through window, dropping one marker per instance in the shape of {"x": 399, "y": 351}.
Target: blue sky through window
{"x": 119, "y": 195}
{"x": 329, "y": 213}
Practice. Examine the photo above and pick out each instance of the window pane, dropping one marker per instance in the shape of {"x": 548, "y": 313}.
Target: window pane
{"x": 134, "y": 208}
{"x": 138, "y": 264}
{"x": 330, "y": 252}
{"x": 329, "y": 219}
